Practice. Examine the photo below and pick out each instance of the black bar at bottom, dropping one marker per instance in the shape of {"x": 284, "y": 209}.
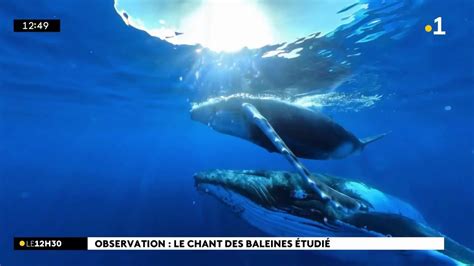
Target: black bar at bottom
{"x": 50, "y": 243}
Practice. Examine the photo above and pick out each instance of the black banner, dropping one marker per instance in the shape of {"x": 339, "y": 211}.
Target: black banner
{"x": 50, "y": 243}
{"x": 36, "y": 25}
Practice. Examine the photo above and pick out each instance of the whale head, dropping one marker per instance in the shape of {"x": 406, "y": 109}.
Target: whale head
{"x": 223, "y": 115}
{"x": 280, "y": 192}
{"x": 279, "y": 204}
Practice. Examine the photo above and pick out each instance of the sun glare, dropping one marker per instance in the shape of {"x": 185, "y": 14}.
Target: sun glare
{"x": 230, "y": 25}
{"x": 226, "y": 26}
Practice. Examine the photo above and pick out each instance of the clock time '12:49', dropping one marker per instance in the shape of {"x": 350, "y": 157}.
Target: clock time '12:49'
{"x": 36, "y": 25}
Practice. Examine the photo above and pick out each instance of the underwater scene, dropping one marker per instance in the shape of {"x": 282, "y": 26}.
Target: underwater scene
{"x": 206, "y": 118}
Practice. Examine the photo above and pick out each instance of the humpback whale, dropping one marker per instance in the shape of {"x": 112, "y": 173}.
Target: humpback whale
{"x": 307, "y": 133}
{"x": 280, "y": 204}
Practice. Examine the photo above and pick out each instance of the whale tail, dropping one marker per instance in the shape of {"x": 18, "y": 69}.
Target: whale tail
{"x": 371, "y": 139}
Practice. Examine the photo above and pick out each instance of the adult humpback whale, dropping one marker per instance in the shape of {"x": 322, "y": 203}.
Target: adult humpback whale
{"x": 307, "y": 133}
{"x": 280, "y": 204}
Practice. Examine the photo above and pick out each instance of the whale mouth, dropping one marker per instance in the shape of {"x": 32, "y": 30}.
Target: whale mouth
{"x": 271, "y": 190}
{"x": 266, "y": 200}
{"x": 250, "y": 184}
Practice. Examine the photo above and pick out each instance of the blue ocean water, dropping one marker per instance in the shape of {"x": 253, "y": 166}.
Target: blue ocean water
{"x": 96, "y": 137}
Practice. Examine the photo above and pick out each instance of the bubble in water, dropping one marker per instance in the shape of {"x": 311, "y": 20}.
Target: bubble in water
{"x": 448, "y": 108}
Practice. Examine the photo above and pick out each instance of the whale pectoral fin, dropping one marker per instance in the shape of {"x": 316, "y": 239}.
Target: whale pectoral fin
{"x": 371, "y": 139}
{"x": 262, "y": 123}
{"x": 324, "y": 192}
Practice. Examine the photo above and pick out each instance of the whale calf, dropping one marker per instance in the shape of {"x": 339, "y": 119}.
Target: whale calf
{"x": 280, "y": 204}
{"x": 307, "y": 133}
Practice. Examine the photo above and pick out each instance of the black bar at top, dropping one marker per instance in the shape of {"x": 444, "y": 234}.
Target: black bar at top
{"x": 50, "y": 243}
{"x": 36, "y": 25}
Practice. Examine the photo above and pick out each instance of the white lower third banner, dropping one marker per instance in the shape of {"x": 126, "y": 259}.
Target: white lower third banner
{"x": 265, "y": 243}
